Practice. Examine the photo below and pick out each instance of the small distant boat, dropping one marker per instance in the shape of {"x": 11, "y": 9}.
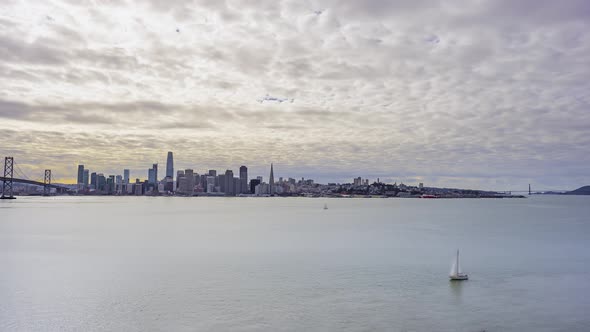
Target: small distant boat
{"x": 428, "y": 196}
{"x": 456, "y": 273}
{"x": 325, "y": 206}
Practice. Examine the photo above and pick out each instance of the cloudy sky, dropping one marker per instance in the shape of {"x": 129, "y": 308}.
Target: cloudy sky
{"x": 490, "y": 94}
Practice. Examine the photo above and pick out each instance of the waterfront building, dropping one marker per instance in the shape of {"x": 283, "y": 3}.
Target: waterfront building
{"x": 253, "y": 184}
{"x": 190, "y": 181}
{"x": 179, "y": 174}
{"x": 229, "y": 183}
{"x": 213, "y": 173}
{"x": 181, "y": 183}
{"x": 237, "y": 186}
{"x": 244, "y": 180}
{"x": 138, "y": 189}
{"x": 262, "y": 189}
{"x": 168, "y": 184}
{"x": 210, "y": 184}
{"x": 201, "y": 181}
{"x": 110, "y": 187}
{"x": 358, "y": 181}
{"x": 80, "y": 181}
{"x": 126, "y": 176}
{"x": 155, "y": 168}
{"x": 151, "y": 177}
{"x": 100, "y": 182}
{"x": 271, "y": 182}
{"x": 86, "y": 179}
{"x": 170, "y": 165}
{"x": 80, "y": 174}
{"x": 93, "y": 180}
{"x": 278, "y": 189}
{"x": 119, "y": 184}
{"x": 221, "y": 181}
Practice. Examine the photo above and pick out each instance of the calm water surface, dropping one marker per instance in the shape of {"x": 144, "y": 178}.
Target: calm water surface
{"x": 285, "y": 264}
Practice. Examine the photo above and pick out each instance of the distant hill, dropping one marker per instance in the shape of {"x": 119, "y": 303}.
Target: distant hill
{"x": 585, "y": 190}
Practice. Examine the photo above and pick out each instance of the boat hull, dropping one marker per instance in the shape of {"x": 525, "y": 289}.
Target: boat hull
{"x": 459, "y": 277}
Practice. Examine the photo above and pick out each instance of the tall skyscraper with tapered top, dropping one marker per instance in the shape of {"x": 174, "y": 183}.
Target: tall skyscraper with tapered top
{"x": 170, "y": 165}
{"x": 271, "y": 181}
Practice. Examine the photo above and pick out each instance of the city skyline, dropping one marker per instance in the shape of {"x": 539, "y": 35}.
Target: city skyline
{"x": 188, "y": 182}
{"x": 488, "y": 94}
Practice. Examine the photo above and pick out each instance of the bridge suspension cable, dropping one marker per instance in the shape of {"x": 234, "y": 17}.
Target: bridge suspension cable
{"x": 13, "y": 173}
{"x": 20, "y": 173}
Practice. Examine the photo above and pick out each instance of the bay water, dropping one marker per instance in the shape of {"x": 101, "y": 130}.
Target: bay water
{"x": 286, "y": 264}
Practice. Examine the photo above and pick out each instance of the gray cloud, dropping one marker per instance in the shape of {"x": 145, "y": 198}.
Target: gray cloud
{"x": 38, "y": 53}
{"x": 491, "y": 93}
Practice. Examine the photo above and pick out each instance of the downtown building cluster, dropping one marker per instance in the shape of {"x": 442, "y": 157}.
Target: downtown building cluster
{"x": 185, "y": 182}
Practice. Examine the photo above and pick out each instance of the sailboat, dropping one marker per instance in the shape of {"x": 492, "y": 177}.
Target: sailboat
{"x": 456, "y": 270}
{"x": 325, "y": 206}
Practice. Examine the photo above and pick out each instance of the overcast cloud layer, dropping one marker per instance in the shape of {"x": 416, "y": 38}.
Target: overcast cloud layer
{"x": 489, "y": 94}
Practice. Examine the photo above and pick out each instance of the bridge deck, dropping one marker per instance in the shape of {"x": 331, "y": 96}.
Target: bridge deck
{"x": 37, "y": 183}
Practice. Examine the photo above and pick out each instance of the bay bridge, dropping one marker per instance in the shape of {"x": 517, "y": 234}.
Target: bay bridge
{"x": 8, "y": 179}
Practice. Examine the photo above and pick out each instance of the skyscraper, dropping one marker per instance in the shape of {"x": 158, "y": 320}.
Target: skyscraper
{"x": 244, "y": 179}
{"x": 210, "y": 184}
{"x": 85, "y": 178}
{"x": 126, "y": 176}
{"x": 170, "y": 165}
{"x": 151, "y": 176}
{"x": 271, "y": 181}
{"x": 237, "y": 186}
{"x": 155, "y": 168}
{"x": 110, "y": 184}
{"x": 93, "y": 183}
{"x": 100, "y": 182}
{"x": 179, "y": 175}
{"x": 80, "y": 174}
{"x": 190, "y": 181}
{"x": 253, "y": 184}
{"x": 221, "y": 181}
{"x": 118, "y": 184}
{"x": 229, "y": 183}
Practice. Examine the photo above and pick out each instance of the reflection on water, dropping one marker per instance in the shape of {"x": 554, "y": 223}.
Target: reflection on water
{"x": 456, "y": 290}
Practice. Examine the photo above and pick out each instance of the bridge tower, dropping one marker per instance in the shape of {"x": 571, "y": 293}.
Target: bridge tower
{"x": 47, "y": 182}
{"x": 8, "y": 176}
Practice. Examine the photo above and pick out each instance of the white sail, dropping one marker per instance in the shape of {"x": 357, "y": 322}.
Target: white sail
{"x": 452, "y": 272}
{"x": 456, "y": 273}
{"x": 455, "y": 267}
